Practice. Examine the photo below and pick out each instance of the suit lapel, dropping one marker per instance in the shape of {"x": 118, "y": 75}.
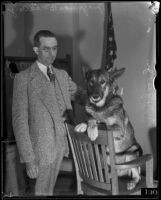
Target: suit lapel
{"x": 61, "y": 83}
{"x": 45, "y": 92}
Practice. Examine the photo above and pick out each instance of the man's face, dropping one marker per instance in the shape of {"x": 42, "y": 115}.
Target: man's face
{"x": 47, "y": 50}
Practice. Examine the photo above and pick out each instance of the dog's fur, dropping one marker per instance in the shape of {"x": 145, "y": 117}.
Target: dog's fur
{"x": 106, "y": 106}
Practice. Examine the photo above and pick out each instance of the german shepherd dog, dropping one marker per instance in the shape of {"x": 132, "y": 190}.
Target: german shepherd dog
{"x": 106, "y": 106}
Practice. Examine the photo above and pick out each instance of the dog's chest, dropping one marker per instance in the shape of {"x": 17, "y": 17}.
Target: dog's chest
{"x": 101, "y": 115}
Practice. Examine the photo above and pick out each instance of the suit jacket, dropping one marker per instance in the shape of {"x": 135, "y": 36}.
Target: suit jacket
{"x": 38, "y": 127}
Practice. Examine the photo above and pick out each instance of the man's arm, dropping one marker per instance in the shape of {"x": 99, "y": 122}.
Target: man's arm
{"x": 78, "y": 94}
{"x": 20, "y": 123}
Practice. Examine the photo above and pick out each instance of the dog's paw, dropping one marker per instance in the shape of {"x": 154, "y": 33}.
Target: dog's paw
{"x": 82, "y": 127}
{"x": 132, "y": 184}
{"x": 135, "y": 172}
{"x": 92, "y": 132}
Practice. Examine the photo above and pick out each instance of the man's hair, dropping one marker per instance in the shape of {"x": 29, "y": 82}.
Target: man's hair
{"x": 42, "y": 33}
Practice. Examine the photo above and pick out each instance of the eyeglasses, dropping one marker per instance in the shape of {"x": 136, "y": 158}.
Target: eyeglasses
{"x": 48, "y": 49}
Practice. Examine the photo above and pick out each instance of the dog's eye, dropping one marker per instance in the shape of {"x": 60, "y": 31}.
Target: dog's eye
{"x": 91, "y": 83}
{"x": 102, "y": 82}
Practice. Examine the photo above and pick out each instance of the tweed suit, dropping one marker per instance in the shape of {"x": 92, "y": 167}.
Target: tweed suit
{"x": 37, "y": 122}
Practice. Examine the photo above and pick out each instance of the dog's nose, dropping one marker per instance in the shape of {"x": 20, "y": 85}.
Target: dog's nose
{"x": 95, "y": 96}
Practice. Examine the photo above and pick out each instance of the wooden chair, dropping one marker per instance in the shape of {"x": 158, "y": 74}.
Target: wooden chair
{"x": 94, "y": 176}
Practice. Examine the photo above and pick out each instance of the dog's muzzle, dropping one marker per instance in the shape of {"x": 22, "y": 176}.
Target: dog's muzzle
{"x": 99, "y": 99}
{"x": 95, "y": 99}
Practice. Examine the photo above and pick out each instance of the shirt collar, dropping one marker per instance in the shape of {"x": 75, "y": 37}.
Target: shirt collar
{"x": 43, "y": 67}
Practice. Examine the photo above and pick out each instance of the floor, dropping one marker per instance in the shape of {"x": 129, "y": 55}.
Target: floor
{"x": 65, "y": 185}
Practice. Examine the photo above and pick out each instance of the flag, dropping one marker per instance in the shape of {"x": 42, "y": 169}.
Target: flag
{"x": 110, "y": 47}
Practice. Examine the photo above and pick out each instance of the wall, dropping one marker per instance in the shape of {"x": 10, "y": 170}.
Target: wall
{"x": 91, "y": 24}
{"x": 88, "y": 43}
{"x": 70, "y": 21}
{"x": 24, "y": 22}
{"x": 136, "y": 48}
{"x": 14, "y": 33}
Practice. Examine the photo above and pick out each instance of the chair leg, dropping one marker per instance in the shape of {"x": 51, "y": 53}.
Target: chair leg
{"x": 155, "y": 183}
{"x": 79, "y": 187}
{"x": 115, "y": 190}
{"x": 149, "y": 173}
{"x": 79, "y": 179}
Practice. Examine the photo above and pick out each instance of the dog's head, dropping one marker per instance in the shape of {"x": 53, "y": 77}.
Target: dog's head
{"x": 100, "y": 83}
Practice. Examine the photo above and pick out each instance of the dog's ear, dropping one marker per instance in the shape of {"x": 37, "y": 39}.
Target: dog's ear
{"x": 85, "y": 70}
{"x": 116, "y": 73}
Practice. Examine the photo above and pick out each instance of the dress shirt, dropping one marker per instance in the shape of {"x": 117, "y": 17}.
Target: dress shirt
{"x": 43, "y": 68}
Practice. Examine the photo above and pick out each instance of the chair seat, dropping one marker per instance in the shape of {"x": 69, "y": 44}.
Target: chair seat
{"x": 91, "y": 190}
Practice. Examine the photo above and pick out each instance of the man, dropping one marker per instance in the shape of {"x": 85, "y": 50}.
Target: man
{"x": 38, "y": 111}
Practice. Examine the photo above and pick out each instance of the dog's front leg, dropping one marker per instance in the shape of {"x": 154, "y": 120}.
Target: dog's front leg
{"x": 135, "y": 172}
{"x": 135, "y": 178}
{"x": 82, "y": 127}
{"x": 92, "y": 129}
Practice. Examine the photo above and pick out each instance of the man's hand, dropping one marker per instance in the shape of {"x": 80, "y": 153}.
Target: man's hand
{"x": 32, "y": 169}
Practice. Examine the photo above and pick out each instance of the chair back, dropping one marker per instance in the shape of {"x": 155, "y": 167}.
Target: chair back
{"x": 91, "y": 157}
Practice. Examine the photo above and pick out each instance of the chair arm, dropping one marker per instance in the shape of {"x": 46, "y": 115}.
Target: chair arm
{"x": 135, "y": 163}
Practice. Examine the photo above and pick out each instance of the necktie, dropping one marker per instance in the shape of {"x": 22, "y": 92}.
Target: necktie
{"x": 50, "y": 75}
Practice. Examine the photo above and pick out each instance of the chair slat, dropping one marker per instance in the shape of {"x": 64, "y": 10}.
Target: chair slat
{"x": 77, "y": 155}
{"x": 86, "y": 153}
{"x": 105, "y": 165}
{"x": 98, "y": 162}
{"x": 93, "y": 162}
{"x": 80, "y": 158}
{"x": 83, "y": 161}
